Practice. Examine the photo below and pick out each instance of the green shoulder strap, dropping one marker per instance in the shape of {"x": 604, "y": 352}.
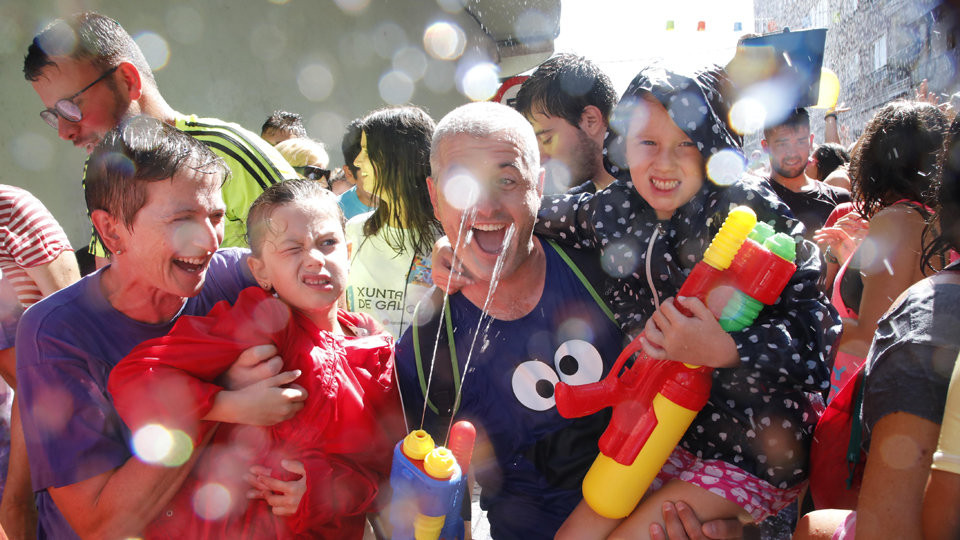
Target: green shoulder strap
{"x": 453, "y": 374}
{"x": 583, "y": 279}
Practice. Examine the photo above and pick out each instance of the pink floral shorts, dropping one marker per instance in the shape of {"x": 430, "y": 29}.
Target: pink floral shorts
{"x": 759, "y": 498}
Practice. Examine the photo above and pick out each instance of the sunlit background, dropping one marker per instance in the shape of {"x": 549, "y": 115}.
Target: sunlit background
{"x": 334, "y": 60}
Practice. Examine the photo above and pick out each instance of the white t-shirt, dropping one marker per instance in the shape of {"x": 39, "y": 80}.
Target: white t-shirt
{"x": 383, "y": 284}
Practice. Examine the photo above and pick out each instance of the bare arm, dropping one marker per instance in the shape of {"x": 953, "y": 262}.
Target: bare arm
{"x": 940, "y": 517}
{"x": 56, "y": 274}
{"x": 120, "y": 503}
{"x": 890, "y": 258}
{"x": 18, "y": 511}
{"x": 890, "y": 503}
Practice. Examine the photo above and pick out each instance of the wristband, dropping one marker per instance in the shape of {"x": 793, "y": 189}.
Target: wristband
{"x": 830, "y": 115}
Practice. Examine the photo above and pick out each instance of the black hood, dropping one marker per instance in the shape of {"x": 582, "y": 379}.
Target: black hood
{"x": 696, "y": 103}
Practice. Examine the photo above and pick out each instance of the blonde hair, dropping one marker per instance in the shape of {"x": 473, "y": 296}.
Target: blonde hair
{"x": 301, "y": 151}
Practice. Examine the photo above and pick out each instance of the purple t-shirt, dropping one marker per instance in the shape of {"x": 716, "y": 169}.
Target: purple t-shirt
{"x": 66, "y": 346}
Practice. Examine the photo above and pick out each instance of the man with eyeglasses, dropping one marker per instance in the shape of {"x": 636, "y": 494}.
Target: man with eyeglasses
{"x": 90, "y": 74}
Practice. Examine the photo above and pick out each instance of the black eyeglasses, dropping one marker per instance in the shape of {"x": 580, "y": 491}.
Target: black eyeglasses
{"x": 313, "y": 173}
{"x": 66, "y": 108}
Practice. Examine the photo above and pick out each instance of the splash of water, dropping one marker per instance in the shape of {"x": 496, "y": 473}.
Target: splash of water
{"x": 484, "y": 318}
{"x": 468, "y": 217}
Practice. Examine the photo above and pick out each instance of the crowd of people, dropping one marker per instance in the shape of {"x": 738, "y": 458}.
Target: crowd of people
{"x": 276, "y": 326}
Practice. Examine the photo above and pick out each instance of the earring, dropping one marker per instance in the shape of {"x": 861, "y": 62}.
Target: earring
{"x": 119, "y": 251}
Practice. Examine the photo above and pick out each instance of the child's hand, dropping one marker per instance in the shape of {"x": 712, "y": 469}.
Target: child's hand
{"x": 696, "y": 340}
{"x": 253, "y": 365}
{"x": 264, "y": 403}
{"x": 443, "y": 264}
{"x": 283, "y": 497}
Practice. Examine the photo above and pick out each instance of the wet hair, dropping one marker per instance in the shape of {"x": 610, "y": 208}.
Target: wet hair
{"x": 943, "y": 233}
{"x": 398, "y": 145}
{"x": 897, "y": 155}
{"x": 280, "y": 194}
{"x": 564, "y": 86}
{"x": 85, "y": 36}
{"x": 483, "y": 120}
{"x": 829, "y": 156}
{"x": 798, "y": 118}
{"x": 140, "y": 150}
{"x": 284, "y": 122}
{"x": 350, "y": 145}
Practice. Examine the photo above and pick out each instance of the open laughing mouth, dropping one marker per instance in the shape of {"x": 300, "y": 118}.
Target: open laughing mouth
{"x": 489, "y": 237}
{"x": 192, "y": 264}
{"x": 664, "y": 185}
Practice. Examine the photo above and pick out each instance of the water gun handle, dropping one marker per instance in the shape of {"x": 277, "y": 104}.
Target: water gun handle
{"x": 462, "y": 438}
{"x": 644, "y": 431}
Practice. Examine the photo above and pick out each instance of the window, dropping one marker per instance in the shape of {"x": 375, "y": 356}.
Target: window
{"x": 880, "y": 52}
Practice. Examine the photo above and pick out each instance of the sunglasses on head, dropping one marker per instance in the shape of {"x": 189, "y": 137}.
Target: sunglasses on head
{"x": 68, "y": 110}
{"x": 313, "y": 173}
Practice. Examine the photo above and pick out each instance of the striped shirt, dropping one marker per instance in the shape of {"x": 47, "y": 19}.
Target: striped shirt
{"x": 254, "y": 166}
{"x": 29, "y": 236}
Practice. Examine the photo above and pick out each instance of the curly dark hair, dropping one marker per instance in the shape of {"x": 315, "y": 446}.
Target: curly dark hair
{"x": 943, "y": 234}
{"x": 398, "y": 144}
{"x": 897, "y": 156}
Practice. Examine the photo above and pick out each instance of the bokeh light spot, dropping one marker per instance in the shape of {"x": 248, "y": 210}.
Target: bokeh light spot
{"x": 444, "y": 40}
{"x": 412, "y": 61}
{"x": 747, "y": 116}
{"x": 32, "y": 151}
{"x": 396, "y": 87}
{"x": 326, "y": 125}
{"x": 533, "y": 26}
{"x": 557, "y": 176}
{"x": 726, "y": 167}
{"x": 440, "y": 76}
{"x": 211, "y": 501}
{"x": 480, "y": 82}
{"x": 152, "y": 443}
{"x": 575, "y": 328}
{"x": 900, "y": 452}
{"x": 155, "y": 49}
{"x": 352, "y": 6}
{"x": 315, "y": 82}
{"x": 355, "y": 49}
{"x": 621, "y": 258}
{"x": 388, "y": 38}
{"x": 461, "y": 191}
{"x": 180, "y": 451}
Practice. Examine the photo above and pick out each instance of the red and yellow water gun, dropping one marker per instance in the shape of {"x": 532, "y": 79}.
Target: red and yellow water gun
{"x": 654, "y": 401}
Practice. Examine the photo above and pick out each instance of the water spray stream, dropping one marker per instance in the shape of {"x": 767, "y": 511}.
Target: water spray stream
{"x": 484, "y": 317}
{"x": 468, "y": 217}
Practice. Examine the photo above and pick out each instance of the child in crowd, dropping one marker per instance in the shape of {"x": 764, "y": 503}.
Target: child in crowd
{"x": 745, "y": 453}
{"x": 339, "y": 443}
